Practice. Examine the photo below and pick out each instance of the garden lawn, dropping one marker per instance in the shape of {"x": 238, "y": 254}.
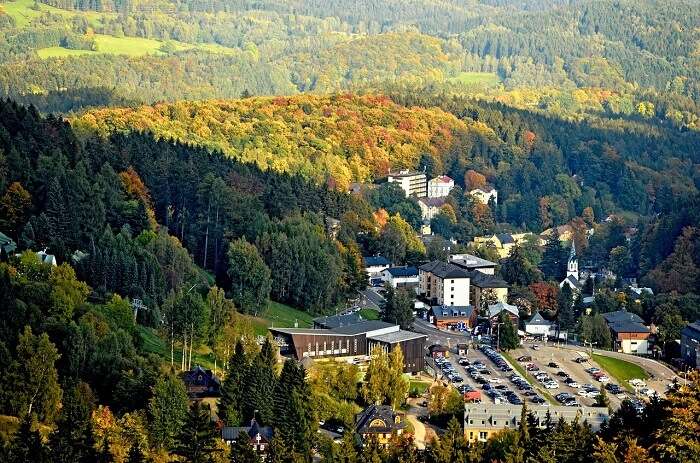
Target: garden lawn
{"x": 621, "y": 370}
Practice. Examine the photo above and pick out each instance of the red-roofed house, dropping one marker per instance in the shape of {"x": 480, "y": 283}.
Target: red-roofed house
{"x": 440, "y": 186}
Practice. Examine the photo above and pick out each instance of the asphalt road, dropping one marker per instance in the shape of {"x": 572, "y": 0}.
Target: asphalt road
{"x": 371, "y": 298}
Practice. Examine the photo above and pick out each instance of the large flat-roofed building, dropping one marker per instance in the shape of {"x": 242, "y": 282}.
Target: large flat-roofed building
{"x": 412, "y": 183}
{"x": 481, "y": 421}
{"x": 345, "y": 336}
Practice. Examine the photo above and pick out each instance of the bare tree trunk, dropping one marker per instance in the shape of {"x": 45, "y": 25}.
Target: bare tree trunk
{"x": 206, "y": 237}
{"x": 172, "y": 344}
{"x": 189, "y": 363}
{"x": 184, "y": 351}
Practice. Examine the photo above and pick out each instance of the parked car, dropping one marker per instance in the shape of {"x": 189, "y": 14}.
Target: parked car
{"x": 537, "y": 400}
{"x": 552, "y": 365}
{"x": 563, "y": 374}
{"x": 524, "y": 358}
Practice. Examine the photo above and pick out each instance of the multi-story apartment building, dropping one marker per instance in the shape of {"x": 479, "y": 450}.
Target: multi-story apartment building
{"x": 413, "y": 183}
{"x": 444, "y": 284}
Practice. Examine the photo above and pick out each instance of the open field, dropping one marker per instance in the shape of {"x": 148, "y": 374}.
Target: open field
{"x": 621, "y": 370}
{"x": 475, "y": 78}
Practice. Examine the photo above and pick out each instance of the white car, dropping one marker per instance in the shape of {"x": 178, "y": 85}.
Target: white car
{"x": 551, "y": 385}
{"x": 495, "y": 380}
{"x": 574, "y": 384}
{"x": 604, "y": 379}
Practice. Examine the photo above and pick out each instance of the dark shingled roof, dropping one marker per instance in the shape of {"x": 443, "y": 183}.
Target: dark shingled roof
{"x": 230, "y": 433}
{"x": 538, "y": 319}
{"x": 692, "y": 330}
{"x": 377, "y": 412}
{"x": 376, "y": 261}
{"x": 444, "y": 270}
{"x": 482, "y": 280}
{"x": 505, "y": 238}
{"x": 620, "y": 316}
{"x": 403, "y": 271}
{"x": 334, "y": 321}
{"x": 453, "y": 311}
{"x": 629, "y": 327}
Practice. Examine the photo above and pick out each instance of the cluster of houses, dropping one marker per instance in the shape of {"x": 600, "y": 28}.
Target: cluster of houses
{"x": 431, "y": 194}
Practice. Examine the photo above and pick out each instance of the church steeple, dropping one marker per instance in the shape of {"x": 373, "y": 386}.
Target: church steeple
{"x": 572, "y": 264}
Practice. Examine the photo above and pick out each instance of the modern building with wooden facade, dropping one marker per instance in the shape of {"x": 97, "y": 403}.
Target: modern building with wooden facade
{"x": 340, "y": 337}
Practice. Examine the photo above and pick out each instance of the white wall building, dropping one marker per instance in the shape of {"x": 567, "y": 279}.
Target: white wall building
{"x": 538, "y": 326}
{"x": 413, "y": 183}
{"x": 484, "y": 196}
{"x": 430, "y": 207}
{"x": 401, "y": 277}
{"x": 444, "y": 284}
{"x": 375, "y": 266}
{"x": 439, "y": 187}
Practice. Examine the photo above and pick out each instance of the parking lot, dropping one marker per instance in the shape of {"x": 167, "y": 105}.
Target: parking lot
{"x": 486, "y": 371}
{"x": 581, "y": 379}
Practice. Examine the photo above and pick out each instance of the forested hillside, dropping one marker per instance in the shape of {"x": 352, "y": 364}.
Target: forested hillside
{"x": 620, "y": 58}
{"x": 546, "y": 170}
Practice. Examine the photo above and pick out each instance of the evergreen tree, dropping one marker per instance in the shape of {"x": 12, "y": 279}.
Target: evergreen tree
{"x": 516, "y": 269}
{"x": 565, "y": 312}
{"x": 73, "y": 440}
{"x": 507, "y": 334}
{"x": 196, "y": 442}
{"x": 398, "y": 307}
{"x": 135, "y": 454}
{"x": 27, "y": 445}
{"x": 230, "y": 403}
{"x": 553, "y": 264}
{"x": 242, "y": 451}
{"x": 277, "y": 451}
{"x": 250, "y": 277}
{"x": 602, "y": 399}
{"x": 168, "y": 410}
{"x": 259, "y": 386}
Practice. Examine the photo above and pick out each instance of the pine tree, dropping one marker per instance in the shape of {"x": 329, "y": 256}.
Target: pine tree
{"x": 553, "y": 258}
{"x": 135, "y": 454}
{"x": 230, "y": 403}
{"x": 58, "y": 217}
{"x": 27, "y": 446}
{"x": 105, "y": 454}
{"x": 197, "y": 440}
{"x": 242, "y": 451}
{"x": 73, "y": 440}
{"x": 167, "y": 409}
{"x": 277, "y": 451}
{"x": 259, "y": 386}
{"x": 507, "y": 334}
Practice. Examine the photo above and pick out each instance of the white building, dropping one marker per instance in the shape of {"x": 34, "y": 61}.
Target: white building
{"x": 572, "y": 277}
{"x": 430, "y": 207}
{"x": 538, "y": 326}
{"x": 444, "y": 284}
{"x": 439, "y": 187}
{"x": 401, "y": 277}
{"x": 375, "y": 266}
{"x": 484, "y": 196}
{"x": 49, "y": 259}
{"x": 411, "y": 182}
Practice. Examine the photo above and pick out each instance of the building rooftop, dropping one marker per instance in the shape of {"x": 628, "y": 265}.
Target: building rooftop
{"x": 501, "y": 416}
{"x": 397, "y": 336}
{"x": 471, "y": 262}
{"x": 334, "y": 321}
{"x": 376, "y": 261}
{"x": 505, "y": 238}
{"x": 692, "y": 330}
{"x": 629, "y": 327}
{"x": 444, "y": 270}
{"x": 447, "y": 312}
{"x": 432, "y": 202}
{"x": 403, "y": 271}
{"x": 538, "y": 319}
{"x": 230, "y": 433}
{"x": 377, "y": 419}
{"x": 483, "y": 280}
{"x": 364, "y": 326}
{"x": 495, "y": 309}
{"x": 620, "y": 316}
{"x": 405, "y": 173}
{"x": 442, "y": 179}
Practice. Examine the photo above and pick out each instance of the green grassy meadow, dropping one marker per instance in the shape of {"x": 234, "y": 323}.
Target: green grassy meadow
{"x": 487, "y": 79}
{"x": 621, "y": 370}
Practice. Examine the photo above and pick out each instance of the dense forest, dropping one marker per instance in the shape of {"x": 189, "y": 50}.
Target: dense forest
{"x": 566, "y": 57}
{"x": 202, "y": 238}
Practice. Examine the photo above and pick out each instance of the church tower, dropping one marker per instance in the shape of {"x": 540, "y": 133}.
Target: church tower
{"x": 572, "y": 264}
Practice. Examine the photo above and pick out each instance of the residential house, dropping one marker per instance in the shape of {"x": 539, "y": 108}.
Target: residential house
{"x": 485, "y": 289}
{"x": 375, "y": 266}
{"x": 201, "y": 383}
{"x": 503, "y": 243}
{"x": 430, "y": 207}
{"x": 690, "y": 344}
{"x": 7, "y": 246}
{"x": 452, "y": 317}
{"x": 481, "y": 421}
{"x": 48, "y": 259}
{"x": 439, "y": 187}
{"x": 350, "y": 336}
{"x": 470, "y": 263}
{"x": 495, "y": 311}
{"x": 484, "y": 196}
{"x": 565, "y": 233}
{"x": 258, "y": 436}
{"x": 628, "y": 332}
{"x": 572, "y": 276}
{"x": 538, "y": 326}
{"x": 444, "y": 284}
{"x": 411, "y": 182}
{"x": 379, "y": 422}
{"x": 401, "y": 277}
